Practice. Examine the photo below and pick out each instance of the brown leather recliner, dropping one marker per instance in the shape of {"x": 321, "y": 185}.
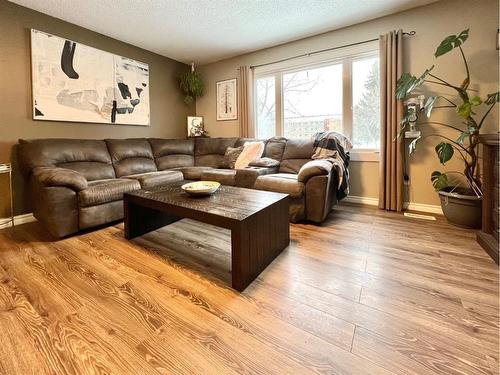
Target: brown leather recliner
{"x": 78, "y": 184}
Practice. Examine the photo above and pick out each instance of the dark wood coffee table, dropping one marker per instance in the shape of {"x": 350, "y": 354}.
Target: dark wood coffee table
{"x": 258, "y": 221}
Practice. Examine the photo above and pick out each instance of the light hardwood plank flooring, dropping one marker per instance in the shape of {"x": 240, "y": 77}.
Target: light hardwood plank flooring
{"x": 367, "y": 292}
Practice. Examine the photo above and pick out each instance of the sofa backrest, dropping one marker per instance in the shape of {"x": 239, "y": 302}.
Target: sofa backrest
{"x": 275, "y": 147}
{"x": 89, "y": 157}
{"x": 209, "y": 152}
{"x": 131, "y": 156}
{"x": 297, "y": 152}
{"x": 172, "y": 153}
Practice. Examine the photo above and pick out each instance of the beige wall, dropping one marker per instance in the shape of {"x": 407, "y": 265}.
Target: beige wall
{"x": 168, "y": 111}
{"x": 432, "y": 23}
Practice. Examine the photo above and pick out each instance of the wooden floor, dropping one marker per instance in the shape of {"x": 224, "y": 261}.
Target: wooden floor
{"x": 366, "y": 293}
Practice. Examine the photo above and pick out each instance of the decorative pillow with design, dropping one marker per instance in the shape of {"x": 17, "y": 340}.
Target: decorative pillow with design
{"x": 251, "y": 151}
{"x": 230, "y": 156}
{"x": 265, "y": 163}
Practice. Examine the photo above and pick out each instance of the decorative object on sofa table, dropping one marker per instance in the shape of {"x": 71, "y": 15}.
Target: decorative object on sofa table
{"x": 461, "y": 204}
{"x": 201, "y": 188}
{"x": 6, "y": 168}
{"x": 100, "y": 88}
{"x": 226, "y": 100}
{"x": 195, "y": 126}
{"x": 192, "y": 85}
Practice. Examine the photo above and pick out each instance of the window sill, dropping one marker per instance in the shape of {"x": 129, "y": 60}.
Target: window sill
{"x": 365, "y": 155}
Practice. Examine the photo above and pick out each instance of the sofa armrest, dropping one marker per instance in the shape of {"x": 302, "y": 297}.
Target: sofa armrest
{"x": 53, "y": 176}
{"x": 319, "y": 167}
{"x": 265, "y": 163}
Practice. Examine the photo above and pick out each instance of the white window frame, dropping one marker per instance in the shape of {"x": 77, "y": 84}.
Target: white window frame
{"x": 344, "y": 56}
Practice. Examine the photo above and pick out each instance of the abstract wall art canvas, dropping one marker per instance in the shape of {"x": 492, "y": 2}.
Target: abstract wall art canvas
{"x": 226, "y": 100}
{"x": 75, "y": 82}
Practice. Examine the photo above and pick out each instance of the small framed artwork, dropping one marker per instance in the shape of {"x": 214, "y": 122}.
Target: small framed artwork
{"x": 195, "y": 127}
{"x": 227, "y": 100}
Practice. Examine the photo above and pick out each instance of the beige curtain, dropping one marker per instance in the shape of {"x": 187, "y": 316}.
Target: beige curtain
{"x": 391, "y": 191}
{"x": 245, "y": 102}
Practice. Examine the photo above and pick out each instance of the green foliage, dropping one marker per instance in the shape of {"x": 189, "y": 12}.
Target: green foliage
{"x": 492, "y": 98}
{"x": 366, "y": 114}
{"x": 192, "y": 85}
{"x": 439, "y": 180}
{"x": 468, "y": 129}
{"x": 412, "y": 147}
{"x": 407, "y": 83}
{"x": 451, "y": 42}
{"x": 429, "y": 104}
{"x": 444, "y": 150}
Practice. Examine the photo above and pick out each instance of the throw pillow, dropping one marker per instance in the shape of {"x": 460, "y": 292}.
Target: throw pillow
{"x": 230, "y": 156}
{"x": 251, "y": 151}
{"x": 265, "y": 163}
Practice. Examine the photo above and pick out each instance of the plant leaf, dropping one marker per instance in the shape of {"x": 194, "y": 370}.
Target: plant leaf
{"x": 476, "y": 100}
{"x": 439, "y": 180}
{"x": 407, "y": 83}
{"x": 429, "y": 104}
{"x": 461, "y": 137}
{"x": 464, "y": 110}
{"x": 444, "y": 151}
{"x": 413, "y": 145}
{"x": 451, "y": 42}
{"x": 493, "y": 98}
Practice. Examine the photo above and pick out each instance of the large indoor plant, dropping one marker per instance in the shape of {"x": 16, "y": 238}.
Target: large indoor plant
{"x": 460, "y": 192}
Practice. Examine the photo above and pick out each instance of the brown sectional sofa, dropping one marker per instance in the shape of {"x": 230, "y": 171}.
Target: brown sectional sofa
{"x": 78, "y": 184}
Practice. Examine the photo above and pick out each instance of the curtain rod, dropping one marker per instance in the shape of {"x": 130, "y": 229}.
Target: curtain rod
{"x": 411, "y": 33}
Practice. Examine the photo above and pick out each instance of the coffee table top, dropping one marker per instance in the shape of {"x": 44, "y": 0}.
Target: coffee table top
{"x": 228, "y": 202}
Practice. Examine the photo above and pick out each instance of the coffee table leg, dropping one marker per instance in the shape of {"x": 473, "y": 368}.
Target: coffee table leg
{"x": 257, "y": 241}
{"x": 140, "y": 220}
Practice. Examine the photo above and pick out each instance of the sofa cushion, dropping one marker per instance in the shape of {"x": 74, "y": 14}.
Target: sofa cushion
{"x": 281, "y": 183}
{"x": 224, "y": 176}
{"x": 251, "y": 151}
{"x": 104, "y": 191}
{"x": 86, "y": 156}
{"x": 131, "y": 156}
{"x": 230, "y": 157}
{"x": 192, "y": 173}
{"x": 153, "y": 179}
{"x": 172, "y": 153}
{"x": 275, "y": 147}
{"x": 297, "y": 153}
{"x": 209, "y": 152}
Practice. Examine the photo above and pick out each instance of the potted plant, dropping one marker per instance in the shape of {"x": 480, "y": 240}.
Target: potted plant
{"x": 192, "y": 85}
{"x": 460, "y": 192}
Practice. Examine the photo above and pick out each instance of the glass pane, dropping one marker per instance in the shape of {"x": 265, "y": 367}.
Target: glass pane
{"x": 312, "y": 101}
{"x": 366, "y": 103}
{"x": 265, "y": 107}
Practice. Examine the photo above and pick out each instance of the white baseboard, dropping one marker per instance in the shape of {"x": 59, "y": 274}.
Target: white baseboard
{"x": 420, "y": 207}
{"x": 18, "y": 219}
{"x": 361, "y": 200}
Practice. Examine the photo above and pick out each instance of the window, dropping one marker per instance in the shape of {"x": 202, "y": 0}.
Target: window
{"x": 339, "y": 93}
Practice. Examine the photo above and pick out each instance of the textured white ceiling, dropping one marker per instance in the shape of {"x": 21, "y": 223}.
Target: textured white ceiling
{"x": 209, "y": 30}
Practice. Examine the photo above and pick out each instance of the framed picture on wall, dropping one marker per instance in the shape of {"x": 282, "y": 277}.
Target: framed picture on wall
{"x": 195, "y": 127}
{"x": 227, "y": 100}
{"x": 74, "y": 82}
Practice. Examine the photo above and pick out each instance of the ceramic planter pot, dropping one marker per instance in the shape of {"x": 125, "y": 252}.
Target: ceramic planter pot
{"x": 461, "y": 208}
